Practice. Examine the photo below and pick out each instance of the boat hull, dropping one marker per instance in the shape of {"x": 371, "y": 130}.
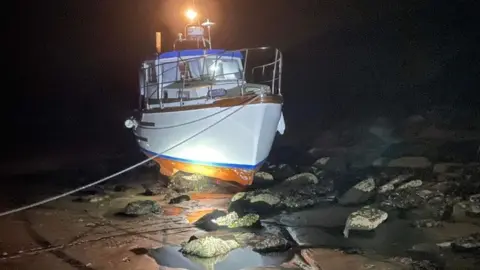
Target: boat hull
{"x": 228, "y": 143}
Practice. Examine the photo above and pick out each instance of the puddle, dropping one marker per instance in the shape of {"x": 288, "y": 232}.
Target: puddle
{"x": 207, "y": 196}
{"x": 170, "y": 256}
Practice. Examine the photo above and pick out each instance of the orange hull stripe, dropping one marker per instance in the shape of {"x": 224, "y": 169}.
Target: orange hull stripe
{"x": 240, "y": 176}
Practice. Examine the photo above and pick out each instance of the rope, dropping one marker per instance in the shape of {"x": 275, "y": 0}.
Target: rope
{"x": 122, "y": 171}
{"x": 193, "y": 121}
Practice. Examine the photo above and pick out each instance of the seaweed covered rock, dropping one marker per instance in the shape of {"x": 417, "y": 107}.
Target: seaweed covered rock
{"x": 232, "y": 220}
{"x": 185, "y": 182}
{"x": 467, "y": 243}
{"x": 403, "y": 199}
{"x": 366, "y": 218}
{"x": 411, "y": 184}
{"x": 302, "y": 179}
{"x": 209, "y": 247}
{"x": 358, "y": 194}
{"x": 271, "y": 243}
{"x": 179, "y": 199}
{"x": 394, "y": 183}
{"x": 291, "y": 194}
{"x": 263, "y": 176}
{"x": 282, "y": 172}
{"x": 142, "y": 207}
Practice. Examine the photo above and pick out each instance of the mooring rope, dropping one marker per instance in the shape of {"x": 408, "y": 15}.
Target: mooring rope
{"x": 47, "y": 200}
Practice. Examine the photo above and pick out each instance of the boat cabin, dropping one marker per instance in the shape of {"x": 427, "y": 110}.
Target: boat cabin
{"x": 189, "y": 75}
{"x": 196, "y": 74}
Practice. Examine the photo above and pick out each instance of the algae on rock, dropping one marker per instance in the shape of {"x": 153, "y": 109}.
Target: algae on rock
{"x": 209, "y": 247}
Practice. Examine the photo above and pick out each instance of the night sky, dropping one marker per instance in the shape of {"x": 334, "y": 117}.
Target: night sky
{"x": 72, "y": 66}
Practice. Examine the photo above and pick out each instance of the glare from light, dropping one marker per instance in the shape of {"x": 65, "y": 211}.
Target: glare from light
{"x": 202, "y": 153}
{"x": 214, "y": 67}
{"x": 191, "y": 14}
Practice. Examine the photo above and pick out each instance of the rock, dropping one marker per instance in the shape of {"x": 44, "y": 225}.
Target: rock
{"x": 426, "y": 223}
{"x": 410, "y": 162}
{"x": 321, "y": 162}
{"x": 278, "y": 198}
{"x": 390, "y": 186}
{"x": 206, "y": 222}
{"x": 438, "y": 208}
{"x": 402, "y": 199}
{"x": 302, "y": 179}
{"x": 282, "y": 172}
{"x": 267, "y": 198}
{"x": 226, "y": 220}
{"x": 365, "y": 219}
{"x": 153, "y": 189}
{"x": 447, "y": 167}
{"x": 179, "y": 199}
{"x": 263, "y": 176}
{"x": 463, "y": 209}
{"x": 358, "y": 194}
{"x": 247, "y": 220}
{"x": 411, "y": 184}
{"x": 426, "y": 194}
{"x": 467, "y": 243}
{"x": 209, "y": 247}
{"x": 386, "y": 188}
{"x": 271, "y": 243}
{"x": 232, "y": 220}
{"x": 474, "y": 198}
{"x": 294, "y": 193}
{"x": 139, "y": 208}
{"x": 185, "y": 182}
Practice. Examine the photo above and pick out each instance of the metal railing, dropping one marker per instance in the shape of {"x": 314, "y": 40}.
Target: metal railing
{"x": 155, "y": 76}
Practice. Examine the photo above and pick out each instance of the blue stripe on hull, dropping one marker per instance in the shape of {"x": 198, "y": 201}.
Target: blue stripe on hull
{"x": 213, "y": 164}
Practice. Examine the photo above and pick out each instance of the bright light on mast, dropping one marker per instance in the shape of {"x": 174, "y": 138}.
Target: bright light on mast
{"x": 191, "y": 14}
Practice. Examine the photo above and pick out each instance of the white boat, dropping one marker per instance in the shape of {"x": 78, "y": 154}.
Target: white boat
{"x": 212, "y": 96}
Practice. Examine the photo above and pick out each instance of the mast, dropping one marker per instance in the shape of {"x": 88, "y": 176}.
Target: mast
{"x": 194, "y": 36}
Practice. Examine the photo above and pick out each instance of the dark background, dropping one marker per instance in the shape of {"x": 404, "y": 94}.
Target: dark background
{"x": 71, "y": 66}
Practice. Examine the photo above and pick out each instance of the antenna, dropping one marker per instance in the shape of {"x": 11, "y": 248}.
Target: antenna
{"x": 209, "y": 24}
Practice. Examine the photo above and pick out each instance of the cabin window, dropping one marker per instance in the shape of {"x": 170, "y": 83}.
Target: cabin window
{"x": 152, "y": 74}
{"x": 184, "y": 69}
{"x": 170, "y": 72}
{"x": 224, "y": 69}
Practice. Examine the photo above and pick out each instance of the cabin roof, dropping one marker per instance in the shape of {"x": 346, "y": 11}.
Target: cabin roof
{"x": 200, "y": 52}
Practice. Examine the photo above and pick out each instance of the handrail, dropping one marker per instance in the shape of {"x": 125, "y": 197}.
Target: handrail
{"x": 159, "y": 83}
